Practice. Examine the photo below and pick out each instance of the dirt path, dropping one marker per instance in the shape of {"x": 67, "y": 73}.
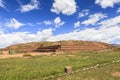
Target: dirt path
{"x": 21, "y": 55}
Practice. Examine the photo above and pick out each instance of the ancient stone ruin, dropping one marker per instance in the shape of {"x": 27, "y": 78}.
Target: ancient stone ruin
{"x": 60, "y": 46}
{"x": 49, "y": 48}
{"x": 68, "y": 70}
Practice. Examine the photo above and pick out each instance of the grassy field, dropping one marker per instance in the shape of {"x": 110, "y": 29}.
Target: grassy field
{"x": 39, "y": 67}
{"x": 100, "y": 73}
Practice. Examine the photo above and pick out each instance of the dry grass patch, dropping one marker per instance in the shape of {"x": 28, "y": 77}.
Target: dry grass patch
{"x": 116, "y": 74}
{"x": 27, "y": 55}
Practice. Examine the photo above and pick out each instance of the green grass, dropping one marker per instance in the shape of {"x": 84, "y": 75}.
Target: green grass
{"x": 100, "y": 73}
{"x": 39, "y": 67}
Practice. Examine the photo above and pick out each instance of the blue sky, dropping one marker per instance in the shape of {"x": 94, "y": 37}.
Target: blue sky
{"x": 23, "y": 21}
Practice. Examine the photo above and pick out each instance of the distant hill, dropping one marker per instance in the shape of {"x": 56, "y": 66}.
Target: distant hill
{"x": 60, "y": 46}
{"x": 116, "y": 45}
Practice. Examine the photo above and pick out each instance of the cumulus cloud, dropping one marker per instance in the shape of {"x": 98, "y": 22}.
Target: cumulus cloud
{"x": 58, "y": 22}
{"x": 24, "y": 37}
{"x": 84, "y": 13}
{"x": 66, "y": 7}
{"x": 93, "y": 19}
{"x": 33, "y": 5}
{"x": 2, "y": 4}
{"x": 13, "y": 23}
{"x": 108, "y": 31}
{"x": 103, "y": 35}
{"x": 77, "y": 24}
{"x": 110, "y": 22}
{"x": 107, "y": 3}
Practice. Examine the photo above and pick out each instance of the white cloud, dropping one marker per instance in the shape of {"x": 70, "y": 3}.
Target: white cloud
{"x": 84, "y": 13}
{"x": 2, "y": 4}
{"x": 77, "y": 24}
{"x": 107, "y": 3}
{"x": 103, "y": 35}
{"x": 93, "y": 19}
{"x": 24, "y": 37}
{"x": 108, "y": 31}
{"x": 33, "y": 5}
{"x": 66, "y": 7}
{"x": 13, "y": 23}
{"x": 110, "y": 22}
{"x": 48, "y": 22}
{"x": 58, "y": 22}
{"x": 118, "y": 11}
{"x": 90, "y": 34}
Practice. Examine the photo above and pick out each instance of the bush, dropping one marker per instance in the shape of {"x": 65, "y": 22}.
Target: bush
{"x": 27, "y": 55}
{"x": 1, "y": 52}
{"x": 16, "y": 51}
{"x": 12, "y": 51}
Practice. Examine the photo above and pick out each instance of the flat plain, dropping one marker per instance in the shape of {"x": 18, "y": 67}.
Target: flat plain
{"x": 51, "y": 67}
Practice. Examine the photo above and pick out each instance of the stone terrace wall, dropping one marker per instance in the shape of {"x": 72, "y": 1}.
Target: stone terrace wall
{"x": 82, "y": 48}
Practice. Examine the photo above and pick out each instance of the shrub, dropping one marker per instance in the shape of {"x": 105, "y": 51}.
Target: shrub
{"x": 16, "y": 51}
{"x": 1, "y": 52}
{"x": 27, "y": 55}
{"x": 12, "y": 51}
